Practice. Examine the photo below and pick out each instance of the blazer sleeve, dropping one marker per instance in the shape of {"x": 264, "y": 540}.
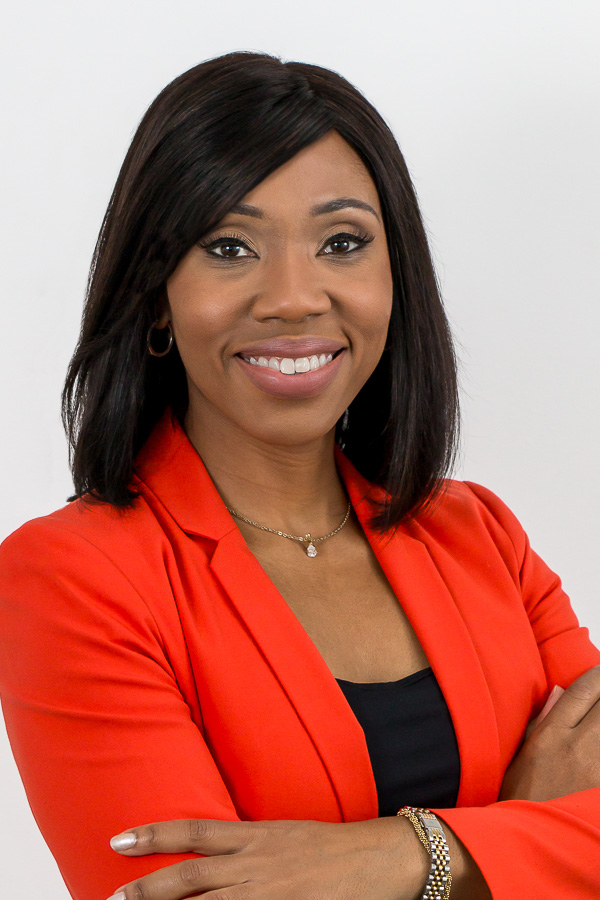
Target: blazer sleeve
{"x": 525, "y": 848}
{"x": 101, "y": 734}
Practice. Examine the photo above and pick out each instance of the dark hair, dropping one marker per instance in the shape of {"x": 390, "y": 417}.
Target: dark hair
{"x": 209, "y": 138}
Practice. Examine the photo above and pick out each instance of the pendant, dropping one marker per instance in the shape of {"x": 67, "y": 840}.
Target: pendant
{"x": 311, "y": 550}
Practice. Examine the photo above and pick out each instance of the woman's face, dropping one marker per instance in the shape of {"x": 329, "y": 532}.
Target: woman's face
{"x": 296, "y": 278}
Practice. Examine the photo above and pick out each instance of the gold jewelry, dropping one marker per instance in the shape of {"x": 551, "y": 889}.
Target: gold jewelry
{"x": 431, "y": 834}
{"x": 151, "y": 349}
{"x": 311, "y": 550}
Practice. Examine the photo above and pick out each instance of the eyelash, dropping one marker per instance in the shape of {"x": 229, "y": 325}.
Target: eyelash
{"x": 361, "y": 237}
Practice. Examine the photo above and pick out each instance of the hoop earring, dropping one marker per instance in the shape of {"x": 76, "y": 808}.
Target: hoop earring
{"x": 151, "y": 349}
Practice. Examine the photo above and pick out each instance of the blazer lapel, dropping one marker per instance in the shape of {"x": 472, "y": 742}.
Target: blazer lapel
{"x": 304, "y": 676}
{"x": 443, "y": 634}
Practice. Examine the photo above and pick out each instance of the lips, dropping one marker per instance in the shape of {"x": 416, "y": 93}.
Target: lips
{"x": 292, "y": 348}
{"x": 302, "y": 384}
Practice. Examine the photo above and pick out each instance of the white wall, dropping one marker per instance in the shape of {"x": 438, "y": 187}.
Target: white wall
{"x": 496, "y": 108}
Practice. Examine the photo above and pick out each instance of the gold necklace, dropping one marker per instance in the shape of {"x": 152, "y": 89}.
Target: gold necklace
{"x": 311, "y": 550}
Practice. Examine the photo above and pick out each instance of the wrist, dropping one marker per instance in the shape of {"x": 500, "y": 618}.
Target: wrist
{"x": 409, "y": 863}
{"x": 467, "y": 878}
{"x": 430, "y": 832}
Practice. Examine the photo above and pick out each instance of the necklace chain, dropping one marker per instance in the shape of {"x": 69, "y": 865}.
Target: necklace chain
{"x": 311, "y": 550}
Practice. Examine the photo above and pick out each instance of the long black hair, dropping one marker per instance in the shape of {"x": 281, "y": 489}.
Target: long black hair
{"x": 209, "y": 138}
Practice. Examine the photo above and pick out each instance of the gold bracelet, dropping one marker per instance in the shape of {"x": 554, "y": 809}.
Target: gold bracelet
{"x": 431, "y": 834}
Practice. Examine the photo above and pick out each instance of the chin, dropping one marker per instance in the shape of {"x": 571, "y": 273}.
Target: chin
{"x": 290, "y": 434}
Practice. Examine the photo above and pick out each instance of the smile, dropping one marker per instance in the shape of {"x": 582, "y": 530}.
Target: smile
{"x": 288, "y": 366}
{"x": 311, "y": 374}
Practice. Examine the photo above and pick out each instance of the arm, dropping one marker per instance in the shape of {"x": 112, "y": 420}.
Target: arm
{"x": 98, "y": 727}
{"x": 102, "y": 735}
{"x": 276, "y": 860}
{"x": 525, "y": 847}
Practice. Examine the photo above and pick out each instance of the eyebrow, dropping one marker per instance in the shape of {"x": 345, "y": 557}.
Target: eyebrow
{"x": 245, "y": 209}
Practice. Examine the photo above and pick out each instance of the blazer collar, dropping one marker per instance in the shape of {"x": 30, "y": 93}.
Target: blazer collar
{"x": 172, "y": 469}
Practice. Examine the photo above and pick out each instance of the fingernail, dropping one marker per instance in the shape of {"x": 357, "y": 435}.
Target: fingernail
{"x": 119, "y": 896}
{"x": 123, "y": 842}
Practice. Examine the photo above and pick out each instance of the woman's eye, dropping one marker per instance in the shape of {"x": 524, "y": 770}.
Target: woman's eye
{"x": 341, "y": 244}
{"x": 230, "y": 249}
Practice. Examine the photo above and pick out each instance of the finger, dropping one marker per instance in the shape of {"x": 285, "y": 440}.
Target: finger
{"x": 555, "y": 693}
{"x": 185, "y": 879}
{"x": 206, "y": 836}
{"x": 576, "y": 702}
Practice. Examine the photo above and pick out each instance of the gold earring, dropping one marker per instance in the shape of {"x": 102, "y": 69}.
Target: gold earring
{"x": 151, "y": 349}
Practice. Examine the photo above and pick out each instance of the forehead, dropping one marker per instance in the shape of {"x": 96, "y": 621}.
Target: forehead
{"x": 329, "y": 167}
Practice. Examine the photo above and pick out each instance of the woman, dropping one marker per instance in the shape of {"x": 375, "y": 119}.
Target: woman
{"x": 265, "y": 622}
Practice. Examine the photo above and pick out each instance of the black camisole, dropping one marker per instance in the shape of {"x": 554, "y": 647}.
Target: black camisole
{"x": 410, "y": 738}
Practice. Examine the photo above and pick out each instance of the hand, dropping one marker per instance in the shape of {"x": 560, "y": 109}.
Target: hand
{"x": 561, "y": 754}
{"x": 279, "y": 860}
{"x": 552, "y": 700}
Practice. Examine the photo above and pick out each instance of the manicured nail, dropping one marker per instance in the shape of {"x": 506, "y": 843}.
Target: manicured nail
{"x": 123, "y": 841}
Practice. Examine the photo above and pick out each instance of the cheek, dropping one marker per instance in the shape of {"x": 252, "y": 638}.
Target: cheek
{"x": 202, "y": 320}
{"x": 373, "y": 309}
{"x": 201, "y": 307}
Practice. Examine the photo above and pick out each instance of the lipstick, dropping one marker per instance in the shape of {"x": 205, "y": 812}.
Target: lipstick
{"x": 291, "y": 376}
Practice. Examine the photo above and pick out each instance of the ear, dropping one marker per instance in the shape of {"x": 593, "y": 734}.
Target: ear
{"x": 163, "y": 311}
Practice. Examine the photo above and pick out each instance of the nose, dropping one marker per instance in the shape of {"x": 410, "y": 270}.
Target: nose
{"x": 291, "y": 289}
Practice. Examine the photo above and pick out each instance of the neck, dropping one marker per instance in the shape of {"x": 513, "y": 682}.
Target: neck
{"x": 293, "y": 488}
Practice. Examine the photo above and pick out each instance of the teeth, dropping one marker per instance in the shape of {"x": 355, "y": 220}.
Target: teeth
{"x": 288, "y": 366}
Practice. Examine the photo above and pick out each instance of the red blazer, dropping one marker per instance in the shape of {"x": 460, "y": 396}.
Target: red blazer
{"x": 150, "y": 670}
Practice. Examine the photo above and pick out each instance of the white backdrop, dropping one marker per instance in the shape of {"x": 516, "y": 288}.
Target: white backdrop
{"x": 495, "y": 106}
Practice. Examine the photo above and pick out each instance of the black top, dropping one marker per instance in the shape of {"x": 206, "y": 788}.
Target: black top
{"x": 410, "y": 738}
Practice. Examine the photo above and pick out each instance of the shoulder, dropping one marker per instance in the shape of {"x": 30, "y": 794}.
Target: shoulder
{"x": 89, "y": 540}
{"x": 82, "y": 521}
{"x": 76, "y": 586}
{"x": 473, "y": 502}
{"x": 89, "y": 570}
{"x": 468, "y": 516}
